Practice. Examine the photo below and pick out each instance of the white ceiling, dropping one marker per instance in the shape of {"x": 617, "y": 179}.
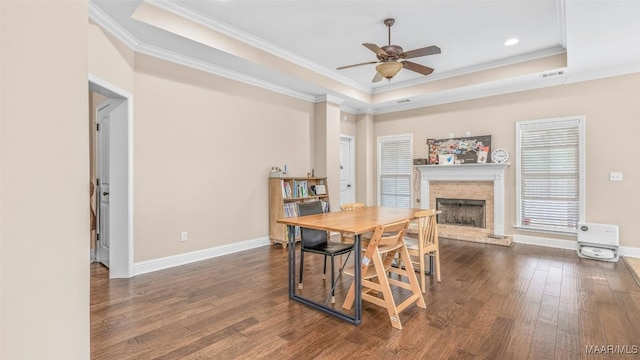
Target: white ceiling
{"x": 601, "y": 38}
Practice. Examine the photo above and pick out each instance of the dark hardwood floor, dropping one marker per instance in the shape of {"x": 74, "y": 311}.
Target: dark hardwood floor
{"x": 523, "y": 302}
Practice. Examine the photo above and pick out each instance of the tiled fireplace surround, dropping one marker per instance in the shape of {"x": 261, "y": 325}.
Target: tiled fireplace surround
{"x": 470, "y": 181}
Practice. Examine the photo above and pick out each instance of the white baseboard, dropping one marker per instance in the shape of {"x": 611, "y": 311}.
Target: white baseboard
{"x": 541, "y": 241}
{"x": 568, "y": 244}
{"x": 92, "y": 255}
{"x": 148, "y": 266}
{"x": 629, "y": 251}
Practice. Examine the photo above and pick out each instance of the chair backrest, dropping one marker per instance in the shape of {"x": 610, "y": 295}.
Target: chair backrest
{"x": 311, "y": 237}
{"x": 427, "y": 228}
{"x": 387, "y": 240}
{"x": 352, "y": 206}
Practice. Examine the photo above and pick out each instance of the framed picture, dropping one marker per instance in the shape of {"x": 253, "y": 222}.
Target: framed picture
{"x": 433, "y": 152}
{"x": 467, "y": 150}
{"x": 482, "y": 156}
{"x": 321, "y": 190}
{"x": 446, "y": 159}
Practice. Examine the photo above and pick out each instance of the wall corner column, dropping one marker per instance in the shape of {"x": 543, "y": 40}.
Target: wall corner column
{"x": 325, "y": 137}
{"x": 365, "y": 159}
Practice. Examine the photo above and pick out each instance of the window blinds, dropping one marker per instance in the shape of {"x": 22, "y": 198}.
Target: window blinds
{"x": 549, "y": 174}
{"x": 395, "y": 165}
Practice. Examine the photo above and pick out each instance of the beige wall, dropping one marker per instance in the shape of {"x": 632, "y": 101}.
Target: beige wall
{"x": 203, "y": 148}
{"x": 348, "y": 127}
{"x": 366, "y": 157}
{"x": 612, "y": 110}
{"x": 44, "y": 289}
{"x": 109, "y": 59}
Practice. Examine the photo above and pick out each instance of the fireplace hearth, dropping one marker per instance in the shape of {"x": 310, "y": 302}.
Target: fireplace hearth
{"x": 483, "y": 182}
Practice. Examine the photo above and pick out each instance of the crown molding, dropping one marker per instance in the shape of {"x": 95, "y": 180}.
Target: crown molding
{"x": 367, "y": 111}
{"x": 473, "y": 69}
{"x": 562, "y": 20}
{"x": 348, "y": 109}
{"x": 528, "y": 82}
{"x": 576, "y": 76}
{"x": 254, "y": 41}
{"x": 329, "y": 98}
{"x": 220, "y": 71}
{"x": 111, "y": 26}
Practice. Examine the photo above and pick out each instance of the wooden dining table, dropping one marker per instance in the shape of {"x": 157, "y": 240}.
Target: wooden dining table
{"x": 355, "y": 222}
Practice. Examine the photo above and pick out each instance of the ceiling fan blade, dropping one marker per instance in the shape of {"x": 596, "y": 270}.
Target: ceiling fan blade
{"x": 377, "y": 78}
{"x": 376, "y": 49}
{"x": 429, "y": 50}
{"x": 354, "y": 65}
{"x": 421, "y": 69}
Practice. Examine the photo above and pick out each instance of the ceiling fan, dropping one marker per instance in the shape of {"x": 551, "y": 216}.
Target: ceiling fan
{"x": 392, "y": 58}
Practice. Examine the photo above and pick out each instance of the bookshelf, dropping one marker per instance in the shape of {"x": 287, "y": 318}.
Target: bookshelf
{"x": 284, "y": 195}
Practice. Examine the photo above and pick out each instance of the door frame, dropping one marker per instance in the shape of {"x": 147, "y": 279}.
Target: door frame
{"x": 352, "y": 160}
{"x": 121, "y": 242}
{"x": 100, "y": 178}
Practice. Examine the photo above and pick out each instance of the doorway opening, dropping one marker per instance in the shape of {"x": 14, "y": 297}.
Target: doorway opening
{"x": 347, "y": 169}
{"x": 111, "y": 176}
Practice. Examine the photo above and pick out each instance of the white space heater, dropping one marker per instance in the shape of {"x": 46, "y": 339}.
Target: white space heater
{"x": 598, "y": 241}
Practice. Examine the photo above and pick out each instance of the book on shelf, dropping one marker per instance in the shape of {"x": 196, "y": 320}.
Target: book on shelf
{"x": 286, "y": 189}
{"x": 290, "y": 210}
{"x": 325, "y": 206}
{"x": 300, "y": 189}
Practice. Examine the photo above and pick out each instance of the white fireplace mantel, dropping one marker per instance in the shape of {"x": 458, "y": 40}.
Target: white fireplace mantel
{"x": 468, "y": 172}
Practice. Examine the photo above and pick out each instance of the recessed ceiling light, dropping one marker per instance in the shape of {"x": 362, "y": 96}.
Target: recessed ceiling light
{"x": 511, "y": 42}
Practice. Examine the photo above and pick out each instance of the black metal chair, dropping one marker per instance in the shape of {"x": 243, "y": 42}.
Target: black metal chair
{"x": 317, "y": 242}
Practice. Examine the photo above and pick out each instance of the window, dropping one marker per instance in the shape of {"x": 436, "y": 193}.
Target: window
{"x": 550, "y": 174}
{"x": 395, "y": 165}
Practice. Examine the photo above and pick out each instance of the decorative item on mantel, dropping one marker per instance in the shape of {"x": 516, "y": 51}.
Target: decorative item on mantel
{"x": 467, "y": 150}
{"x": 276, "y": 172}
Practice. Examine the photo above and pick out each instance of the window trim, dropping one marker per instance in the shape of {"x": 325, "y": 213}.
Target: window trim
{"x": 379, "y": 141}
{"x": 582, "y": 171}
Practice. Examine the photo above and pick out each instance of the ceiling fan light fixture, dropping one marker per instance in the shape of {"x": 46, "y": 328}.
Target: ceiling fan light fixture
{"x": 389, "y": 69}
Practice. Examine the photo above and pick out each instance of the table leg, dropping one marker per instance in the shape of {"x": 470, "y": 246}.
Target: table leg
{"x": 291, "y": 244}
{"x": 357, "y": 318}
{"x": 357, "y": 278}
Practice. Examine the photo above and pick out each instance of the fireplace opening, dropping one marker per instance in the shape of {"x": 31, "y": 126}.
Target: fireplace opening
{"x": 461, "y": 212}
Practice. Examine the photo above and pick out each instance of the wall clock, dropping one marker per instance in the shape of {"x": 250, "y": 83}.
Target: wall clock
{"x": 499, "y": 156}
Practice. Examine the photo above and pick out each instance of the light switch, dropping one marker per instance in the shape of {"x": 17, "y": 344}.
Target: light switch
{"x": 615, "y": 176}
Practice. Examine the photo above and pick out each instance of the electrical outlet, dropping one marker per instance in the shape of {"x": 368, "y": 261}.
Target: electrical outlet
{"x": 615, "y": 176}
{"x": 468, "y": 133}
{"x": 183, "y": 236}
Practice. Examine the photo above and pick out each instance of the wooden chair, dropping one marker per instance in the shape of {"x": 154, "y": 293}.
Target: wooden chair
{"x": 317, "y": 242}
{"x": 426, "y": 243}
{"x": 386, "y": 243}
{"x": 348, "y": 238}
{"x": 352, "y": 206}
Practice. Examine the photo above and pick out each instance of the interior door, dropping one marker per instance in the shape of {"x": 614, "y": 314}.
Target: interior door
{"x": 102, "y": 174}
{"x": 347, "y": 189}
